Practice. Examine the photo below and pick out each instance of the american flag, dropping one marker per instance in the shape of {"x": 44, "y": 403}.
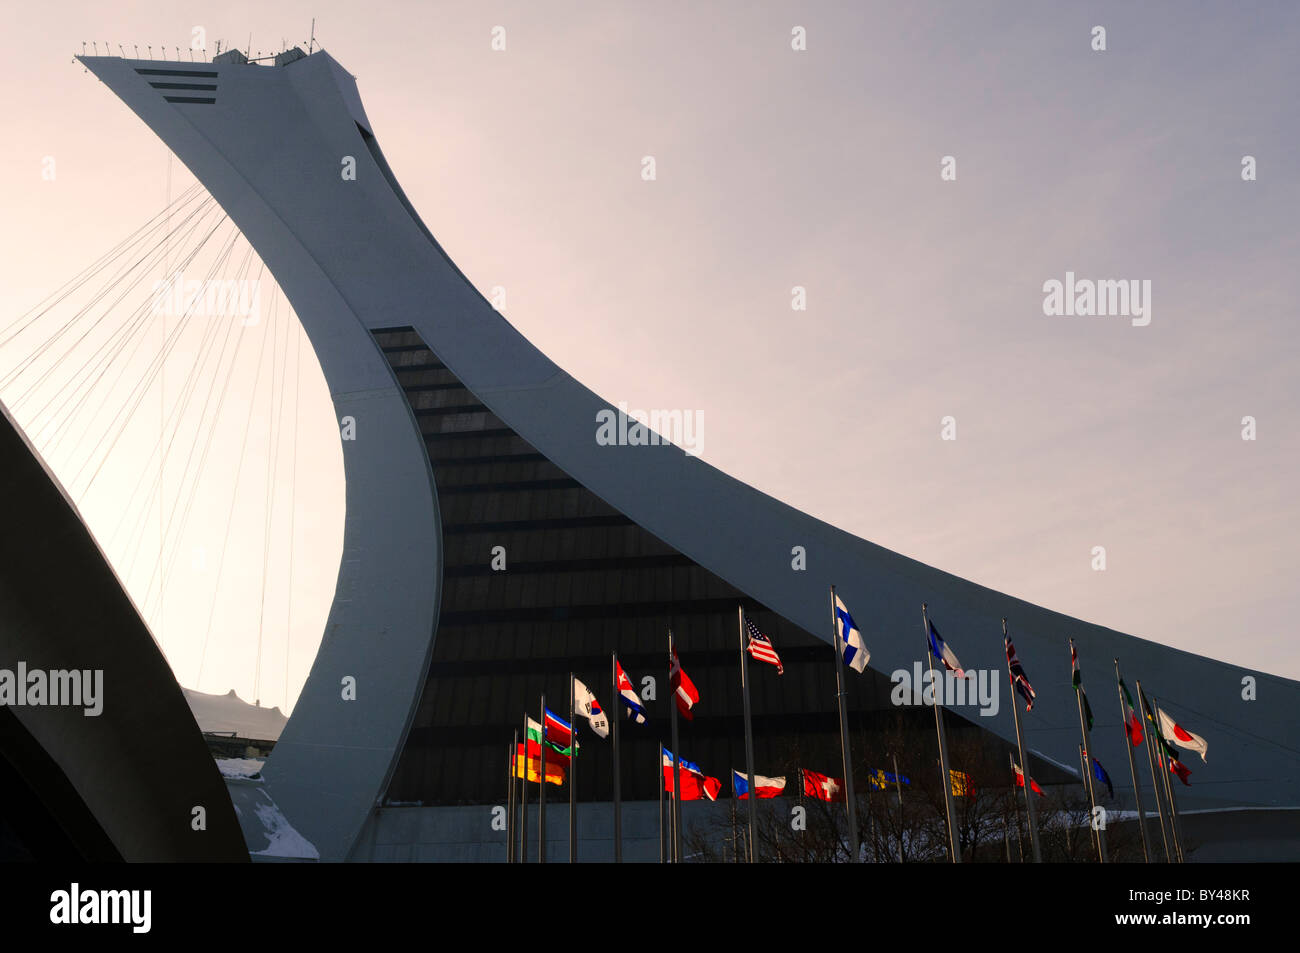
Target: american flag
{"x": 760, "y": 648}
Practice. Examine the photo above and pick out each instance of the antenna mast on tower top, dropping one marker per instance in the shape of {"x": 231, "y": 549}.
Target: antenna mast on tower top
{"x": 312, "y": 41}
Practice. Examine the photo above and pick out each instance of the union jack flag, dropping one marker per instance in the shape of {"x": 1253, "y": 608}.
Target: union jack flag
{"x": 1019, "y": 679}
{"x": 760, "y": 647}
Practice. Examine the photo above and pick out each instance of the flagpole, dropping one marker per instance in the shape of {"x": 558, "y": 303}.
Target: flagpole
{"x": 1099, "y": 833}
{"x": 871, "y": 820}
{"x": 573, "y": 776}
{"x": 1132, "y": 766}
{"x": 1015, "y": 804}
{"x": 898, "y": 784}
{"x": 523, "y": 811}
{"x": 1083, "y": 767}
{"x": 944, "y": 767}
{"x": 672, "y": 831}
{"x": 541, "y": 789}
{"x": 512, "y": 822}
{"x": 749, "y": 736}
{"x": 677, "y": 763}
{"x": 1024, "y": 761}
{"x": 1162, "y": 760}
{"x": 510, "y": 799}
{"x": 849, "y": 800}
{"x": 1151, "y": 762}
{"x": 615, "y": 710}
{"x": 660, "y": 768}
{"x": 1092, "y": 788}
{"x": 735, "y": 836}
{"x": 803, "y": 841}
{"x": 1177, "y": 822}
{"x": 1166, "y": 770}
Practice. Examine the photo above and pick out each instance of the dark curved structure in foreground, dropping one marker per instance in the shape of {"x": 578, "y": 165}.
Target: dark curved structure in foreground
{"x": 119, "y": 785}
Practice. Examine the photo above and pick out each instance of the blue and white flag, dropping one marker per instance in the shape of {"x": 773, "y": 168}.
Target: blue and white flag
{"x": 945, "y": 655}
{"x": 851, "y": 644}
{"x": 690, "y": 767}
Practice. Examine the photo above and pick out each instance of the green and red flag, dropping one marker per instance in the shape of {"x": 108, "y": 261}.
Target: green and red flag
{"x": 557, "y": 745}
{"x": 1132, "y": 723}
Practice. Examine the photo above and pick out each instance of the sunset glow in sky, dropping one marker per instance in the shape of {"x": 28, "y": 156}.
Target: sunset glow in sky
{"x": 776, "y": 168}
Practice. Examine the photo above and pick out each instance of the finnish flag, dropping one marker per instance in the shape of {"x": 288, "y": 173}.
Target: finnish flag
{"x": 851, "y": 644}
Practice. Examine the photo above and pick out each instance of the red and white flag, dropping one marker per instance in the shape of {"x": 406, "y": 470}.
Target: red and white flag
{"x": 763, "y": 787}
{"x": 695, "y": 783}
{"x": 684, "y": 691}
{"x": 1020, "y": 781}
{"x": 761, "y": 649}
{"x": 1181, "y": 736}
{"x": 822, "y": 786}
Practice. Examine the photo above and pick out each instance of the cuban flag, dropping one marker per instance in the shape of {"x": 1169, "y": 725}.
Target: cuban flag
{"x": 764, "y": 787}
{"x": 940, "y": 650}
{"x": 631, "y": 701}
{"x": 851, "y": 645}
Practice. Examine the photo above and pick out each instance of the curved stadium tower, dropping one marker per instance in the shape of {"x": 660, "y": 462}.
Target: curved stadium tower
{"x": 467, "y": 438}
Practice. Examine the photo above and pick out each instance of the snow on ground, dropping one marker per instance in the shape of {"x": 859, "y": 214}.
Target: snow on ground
{"x": 239, "y": 767}
{"x": 284, "y": 840}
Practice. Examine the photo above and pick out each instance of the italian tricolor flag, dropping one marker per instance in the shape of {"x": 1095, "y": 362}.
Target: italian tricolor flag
{"x": 1132, "y": 723}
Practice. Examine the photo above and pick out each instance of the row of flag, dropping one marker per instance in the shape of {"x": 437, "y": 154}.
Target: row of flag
{"x": 556, "y": 736}
{"x": 823, "y": 787}
{"x": 1166, "y": 727}
{"x": 855, "y": 655}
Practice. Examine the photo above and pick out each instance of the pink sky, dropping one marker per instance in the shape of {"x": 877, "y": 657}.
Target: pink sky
{"x": 779, "y": 168}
